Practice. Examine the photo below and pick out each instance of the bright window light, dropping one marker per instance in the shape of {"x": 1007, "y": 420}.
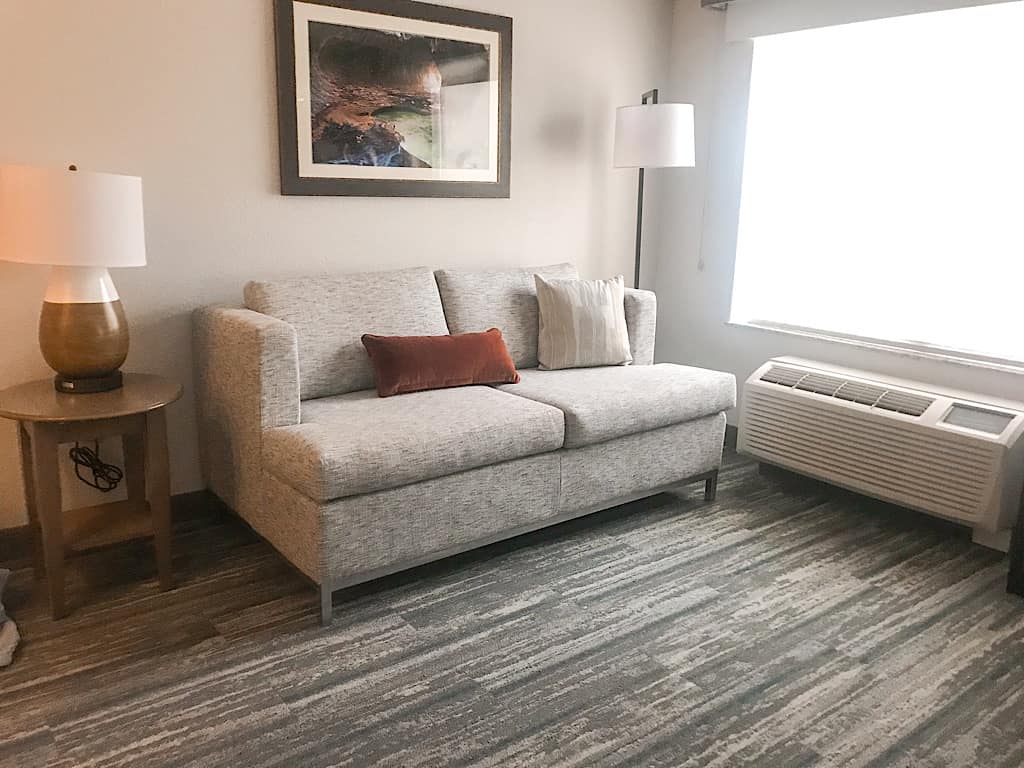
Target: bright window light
{"x": 883, "y": 185}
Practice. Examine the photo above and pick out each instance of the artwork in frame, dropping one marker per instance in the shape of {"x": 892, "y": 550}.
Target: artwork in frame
{"x": 393, "y": 98}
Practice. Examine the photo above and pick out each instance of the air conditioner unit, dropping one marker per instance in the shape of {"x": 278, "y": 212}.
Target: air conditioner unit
{"x": 952, "y": 454}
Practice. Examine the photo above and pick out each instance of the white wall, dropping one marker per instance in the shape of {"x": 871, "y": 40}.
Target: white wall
{"x": 181, "y": 92}
{"x": 693, "y": 302}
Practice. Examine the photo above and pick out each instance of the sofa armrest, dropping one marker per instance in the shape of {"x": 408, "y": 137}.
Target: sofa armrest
{"x": 641, "y": 322}
{"x": 247, "y": 380}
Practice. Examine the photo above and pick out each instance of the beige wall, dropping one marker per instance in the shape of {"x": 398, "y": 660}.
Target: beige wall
{"x": 698, "y": 238}
{"x": 181, "y": 92}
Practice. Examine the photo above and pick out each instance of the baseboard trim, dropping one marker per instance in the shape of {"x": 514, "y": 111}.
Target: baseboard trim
{"x": 16, "y": 543}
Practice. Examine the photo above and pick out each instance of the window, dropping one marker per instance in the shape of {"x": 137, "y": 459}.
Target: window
{"x": 883, "y": 182}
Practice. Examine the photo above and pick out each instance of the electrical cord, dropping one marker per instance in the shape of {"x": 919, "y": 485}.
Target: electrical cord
{"x": 105, "y": 477}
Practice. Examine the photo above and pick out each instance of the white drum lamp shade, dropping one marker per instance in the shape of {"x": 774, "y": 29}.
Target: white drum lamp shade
{"x": 80, "y": 224}
{"x": 654, "y": 136}
{"x": 71, "y": 218}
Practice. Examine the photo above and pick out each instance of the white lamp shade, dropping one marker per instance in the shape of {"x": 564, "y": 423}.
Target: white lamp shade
{"x": 654, "y": 136}
{"x": 71, "y": 218}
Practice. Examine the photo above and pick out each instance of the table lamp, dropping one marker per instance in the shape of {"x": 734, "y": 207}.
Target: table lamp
{"x": 652, "y": 135}
{"x": 80, "y": 224}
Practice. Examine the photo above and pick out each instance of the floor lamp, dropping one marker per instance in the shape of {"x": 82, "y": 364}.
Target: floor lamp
{"x": 652, "y": 135}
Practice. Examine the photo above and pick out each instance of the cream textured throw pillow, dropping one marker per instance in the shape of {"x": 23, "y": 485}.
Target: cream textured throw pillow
{"x": 582, "y": 323}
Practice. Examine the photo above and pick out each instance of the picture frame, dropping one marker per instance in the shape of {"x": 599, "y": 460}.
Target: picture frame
{"x": 393, "y": 98}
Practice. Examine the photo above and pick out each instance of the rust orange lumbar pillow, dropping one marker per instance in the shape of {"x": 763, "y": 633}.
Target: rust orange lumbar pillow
{"x": 403, "y": 364}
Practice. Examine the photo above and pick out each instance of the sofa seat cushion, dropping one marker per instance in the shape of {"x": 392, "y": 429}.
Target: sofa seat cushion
{"x": 605, "y": 403}
{"x": 359, "y": 443}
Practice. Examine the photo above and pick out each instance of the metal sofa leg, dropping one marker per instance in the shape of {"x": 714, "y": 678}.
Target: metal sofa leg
{"x": 326, "y": 605}
{"x": 711, "y": 487}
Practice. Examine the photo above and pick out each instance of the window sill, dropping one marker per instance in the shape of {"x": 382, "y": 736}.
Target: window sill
{"x": 920, "y": 352}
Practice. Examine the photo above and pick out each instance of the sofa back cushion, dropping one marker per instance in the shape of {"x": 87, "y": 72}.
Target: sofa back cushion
{"x": 331, "y": 314}
{"x": 506, "y": 300}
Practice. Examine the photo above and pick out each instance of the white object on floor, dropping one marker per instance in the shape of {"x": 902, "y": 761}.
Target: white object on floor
{"x": 9, "y": 638}
{"x": 951, "y": 454}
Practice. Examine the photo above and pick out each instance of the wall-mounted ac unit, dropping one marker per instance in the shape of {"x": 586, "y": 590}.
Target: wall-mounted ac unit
{"x": 953, "y": 454}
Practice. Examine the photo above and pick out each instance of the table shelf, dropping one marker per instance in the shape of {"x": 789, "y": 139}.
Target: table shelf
{"x": 99, "y": 526}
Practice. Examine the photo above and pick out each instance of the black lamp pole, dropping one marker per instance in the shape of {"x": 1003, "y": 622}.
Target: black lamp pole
{"x": 651, "y": 97}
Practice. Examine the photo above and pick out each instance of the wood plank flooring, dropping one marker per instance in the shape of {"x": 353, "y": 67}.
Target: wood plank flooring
{"x": 787, "y": 624}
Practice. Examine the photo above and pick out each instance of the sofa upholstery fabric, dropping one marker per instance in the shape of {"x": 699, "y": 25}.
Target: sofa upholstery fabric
{"x": 404, "y": 364}
{"x": 360, "y": 443}
{"x": 629, "y": 465}
{"x": 642, "y": 322}
{"x": 247, "y": 381}
{"x": 292, "y": 522}
{"x": 412, "y": 523}
{"x": 605, "y": 403}
{"x": 330, "y": 315}
{"x": 506, "y": 300}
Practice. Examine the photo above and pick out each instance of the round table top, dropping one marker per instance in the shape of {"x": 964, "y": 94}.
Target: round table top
{"x": 39, "y": 401}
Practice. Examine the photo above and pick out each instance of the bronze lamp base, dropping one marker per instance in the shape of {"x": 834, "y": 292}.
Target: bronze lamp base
{"x": 85, "y": 343}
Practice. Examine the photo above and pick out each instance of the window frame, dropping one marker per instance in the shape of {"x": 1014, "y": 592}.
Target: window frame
{"x": 917, "y": 350}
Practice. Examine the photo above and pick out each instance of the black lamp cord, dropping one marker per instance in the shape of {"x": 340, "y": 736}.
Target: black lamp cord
{"x": 105, "y": 477}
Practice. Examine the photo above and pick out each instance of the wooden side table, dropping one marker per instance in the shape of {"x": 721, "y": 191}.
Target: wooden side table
{"x": 46, "y": 419}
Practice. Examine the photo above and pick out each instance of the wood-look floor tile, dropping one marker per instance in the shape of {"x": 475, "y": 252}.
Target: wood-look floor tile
{"x": 786, "y": 624}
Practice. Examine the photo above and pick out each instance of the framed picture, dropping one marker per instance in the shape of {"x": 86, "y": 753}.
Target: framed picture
{"x": 393, "y": 98}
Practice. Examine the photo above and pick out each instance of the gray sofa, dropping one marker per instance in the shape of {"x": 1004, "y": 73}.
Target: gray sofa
{"x": 350, "y": 487}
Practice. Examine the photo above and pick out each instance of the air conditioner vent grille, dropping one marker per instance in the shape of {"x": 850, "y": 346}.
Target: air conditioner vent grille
{"x": 904, "y": 402}
{"x": 895, "y": 400}
{"x": 858, "y": 392}
{"x": 781, "y": 374}
{"x": 820, "y": 384}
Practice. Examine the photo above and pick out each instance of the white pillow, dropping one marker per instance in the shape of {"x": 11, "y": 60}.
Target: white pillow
{"x": 582, "y": 323}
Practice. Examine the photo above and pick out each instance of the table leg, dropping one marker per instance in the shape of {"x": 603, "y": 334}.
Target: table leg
{"x": 135, "y": 467}
{"x": 48, "y": 508}
{"x": 27, "y": 479}
{"x": 158, "y": 473}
